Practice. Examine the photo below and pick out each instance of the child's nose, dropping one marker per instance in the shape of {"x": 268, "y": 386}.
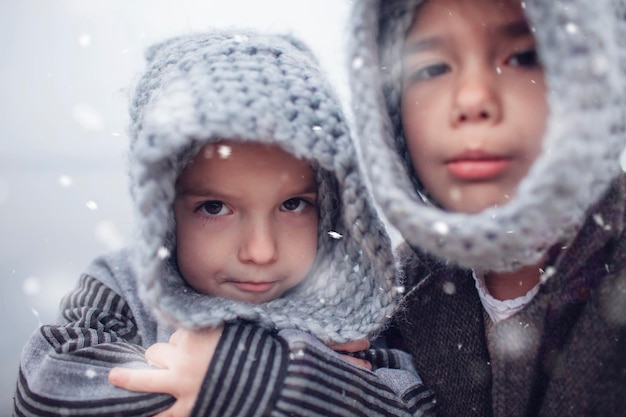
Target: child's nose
{"x": 258, "y": 243}
{"x": 476, "y": 99}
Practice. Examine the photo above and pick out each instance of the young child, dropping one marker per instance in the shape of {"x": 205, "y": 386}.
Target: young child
{"x": 494, "y": 151}
{"x": 253, "y": 220}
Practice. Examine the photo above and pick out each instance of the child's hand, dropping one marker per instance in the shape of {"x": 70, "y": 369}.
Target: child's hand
{"x": 354, "y": 346}
{"x": 184, "y": 362}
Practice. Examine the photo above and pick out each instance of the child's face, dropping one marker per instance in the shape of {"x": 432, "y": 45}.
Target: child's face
{"x": 474, "y": 103}
{"x": 246, "y": 221}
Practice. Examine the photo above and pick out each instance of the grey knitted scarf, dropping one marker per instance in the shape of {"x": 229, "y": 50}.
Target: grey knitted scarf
{"x": 247, "y": 86}
{"x": 582, "y": 46}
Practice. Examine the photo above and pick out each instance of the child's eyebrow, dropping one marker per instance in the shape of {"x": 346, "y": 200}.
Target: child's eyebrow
{"x": 516, "y": 29}
{"x": 511, "y": 30}
{"x": 309, "y": 189}
{"x": 209, "y": 193}
{"x": 191, "y": 191}
{"x": 424, "y": 44}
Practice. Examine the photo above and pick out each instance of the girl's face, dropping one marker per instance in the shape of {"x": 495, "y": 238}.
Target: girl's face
{"x": 246, "y": 221}
{"x": 474, "y": 103}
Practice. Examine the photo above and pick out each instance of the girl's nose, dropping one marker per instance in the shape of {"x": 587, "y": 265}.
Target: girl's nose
{"x": 258, "y": 244}
{"x": 476, "y": 98}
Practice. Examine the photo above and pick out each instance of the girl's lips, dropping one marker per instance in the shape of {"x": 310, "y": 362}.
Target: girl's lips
{"x": 477, "y": 166}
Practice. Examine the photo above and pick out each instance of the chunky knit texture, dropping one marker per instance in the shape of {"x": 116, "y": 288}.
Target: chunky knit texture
{"x": 582, "y": 46}
{"x": 245, "y": 86}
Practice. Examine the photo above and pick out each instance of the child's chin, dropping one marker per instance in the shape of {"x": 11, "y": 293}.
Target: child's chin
{"x": 474, "y": 199}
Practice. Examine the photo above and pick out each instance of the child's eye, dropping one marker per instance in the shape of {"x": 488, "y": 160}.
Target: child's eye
{"x": 294, "y": 205}
{"x": 428, "y": 72}
{"x": 524, "y": 59}
{"x": 214, "y": 208}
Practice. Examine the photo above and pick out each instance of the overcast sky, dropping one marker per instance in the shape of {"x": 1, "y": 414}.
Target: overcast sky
{"x": 66, "y": 67}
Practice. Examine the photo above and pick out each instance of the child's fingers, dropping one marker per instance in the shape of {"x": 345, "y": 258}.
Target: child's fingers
{"x": 160, "y": 355}
{"x": 352, "y": 346}
{"x": 358, "y": 362}
{"x": 178, "y": 336}
{"x": 196, "y": 342}
{"x": 142, "y": 380}
{"x": 204, "y": 336}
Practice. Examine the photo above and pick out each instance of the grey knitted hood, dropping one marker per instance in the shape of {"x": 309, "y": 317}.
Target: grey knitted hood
{"x": 246, "y": 86}
{"x": 582, "y": 46}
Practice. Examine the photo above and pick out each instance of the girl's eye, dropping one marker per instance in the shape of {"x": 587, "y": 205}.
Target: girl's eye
{"x": 295, "y": 205}
{"x": 428, "y": 72}
{"x": 214, "y": 208}
{"x": 524, "y": 59}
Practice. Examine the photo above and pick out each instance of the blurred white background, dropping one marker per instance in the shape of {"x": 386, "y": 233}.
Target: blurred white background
{"x": 66, "y": 69}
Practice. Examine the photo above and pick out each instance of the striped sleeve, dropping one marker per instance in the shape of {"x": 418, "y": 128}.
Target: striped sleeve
{"x": 64, "y": 368}
{"x": 256, "y": 373}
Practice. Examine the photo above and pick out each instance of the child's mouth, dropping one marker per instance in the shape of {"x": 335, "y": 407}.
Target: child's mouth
{"x": 477, "y": 166}
{"x": 256, "y": 287}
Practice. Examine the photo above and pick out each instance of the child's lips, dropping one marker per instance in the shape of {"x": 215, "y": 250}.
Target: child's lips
{"x": 477, "y": 166}
{"x": 255, "y": 287}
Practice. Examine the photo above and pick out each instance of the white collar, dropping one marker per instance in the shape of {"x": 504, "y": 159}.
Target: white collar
{"x": 499, "y": 310}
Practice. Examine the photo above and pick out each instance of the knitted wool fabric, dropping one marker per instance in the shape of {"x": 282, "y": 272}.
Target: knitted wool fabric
{"x": 248, "y": 86}
{"x": 582, "y": 47}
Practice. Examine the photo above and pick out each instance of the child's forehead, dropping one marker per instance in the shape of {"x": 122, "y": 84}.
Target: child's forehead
{"x": 245, "y": 172}
{"x": 228, "y": 149}
{"x": 483, "y": 12}
{"x": 247, "y": 156}
{"x": 468, "y": 22}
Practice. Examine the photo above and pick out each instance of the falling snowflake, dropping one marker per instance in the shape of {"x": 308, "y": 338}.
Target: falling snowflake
{"x": 31, "y": 286}
{"x": 297, "y": 354}
{"x": 547, "y": 273}
{"x": 335, "y": 235}
{"x": 622, "y": 160}
{"x": 449, "y": 288}
{"x": 514, "y": 340}
{"x": 224, "y": 151}
{"x": 163, "y": 252}
{"x": 91, "y": 205}
{"x": 571, "y": 28}
{"x": 455, "y": 194}
{"x": 441, "y": 228}
{"x": 88, "y": 117}
{"x": 598, "y": 219}
{"x": 600, "y": 65}
{"x": 357, "y": 62}
{"x": 84, "y": 40}
{"x": 90, "y": 373}
{"x": 108, "y": 233}
{"x": 36, "y": 314}
{"x": 65, "y": 181}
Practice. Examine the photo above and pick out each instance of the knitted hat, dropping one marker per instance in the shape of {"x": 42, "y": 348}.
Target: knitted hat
{"x": 582, "y": 47}
{"x": 248, "y": 86}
